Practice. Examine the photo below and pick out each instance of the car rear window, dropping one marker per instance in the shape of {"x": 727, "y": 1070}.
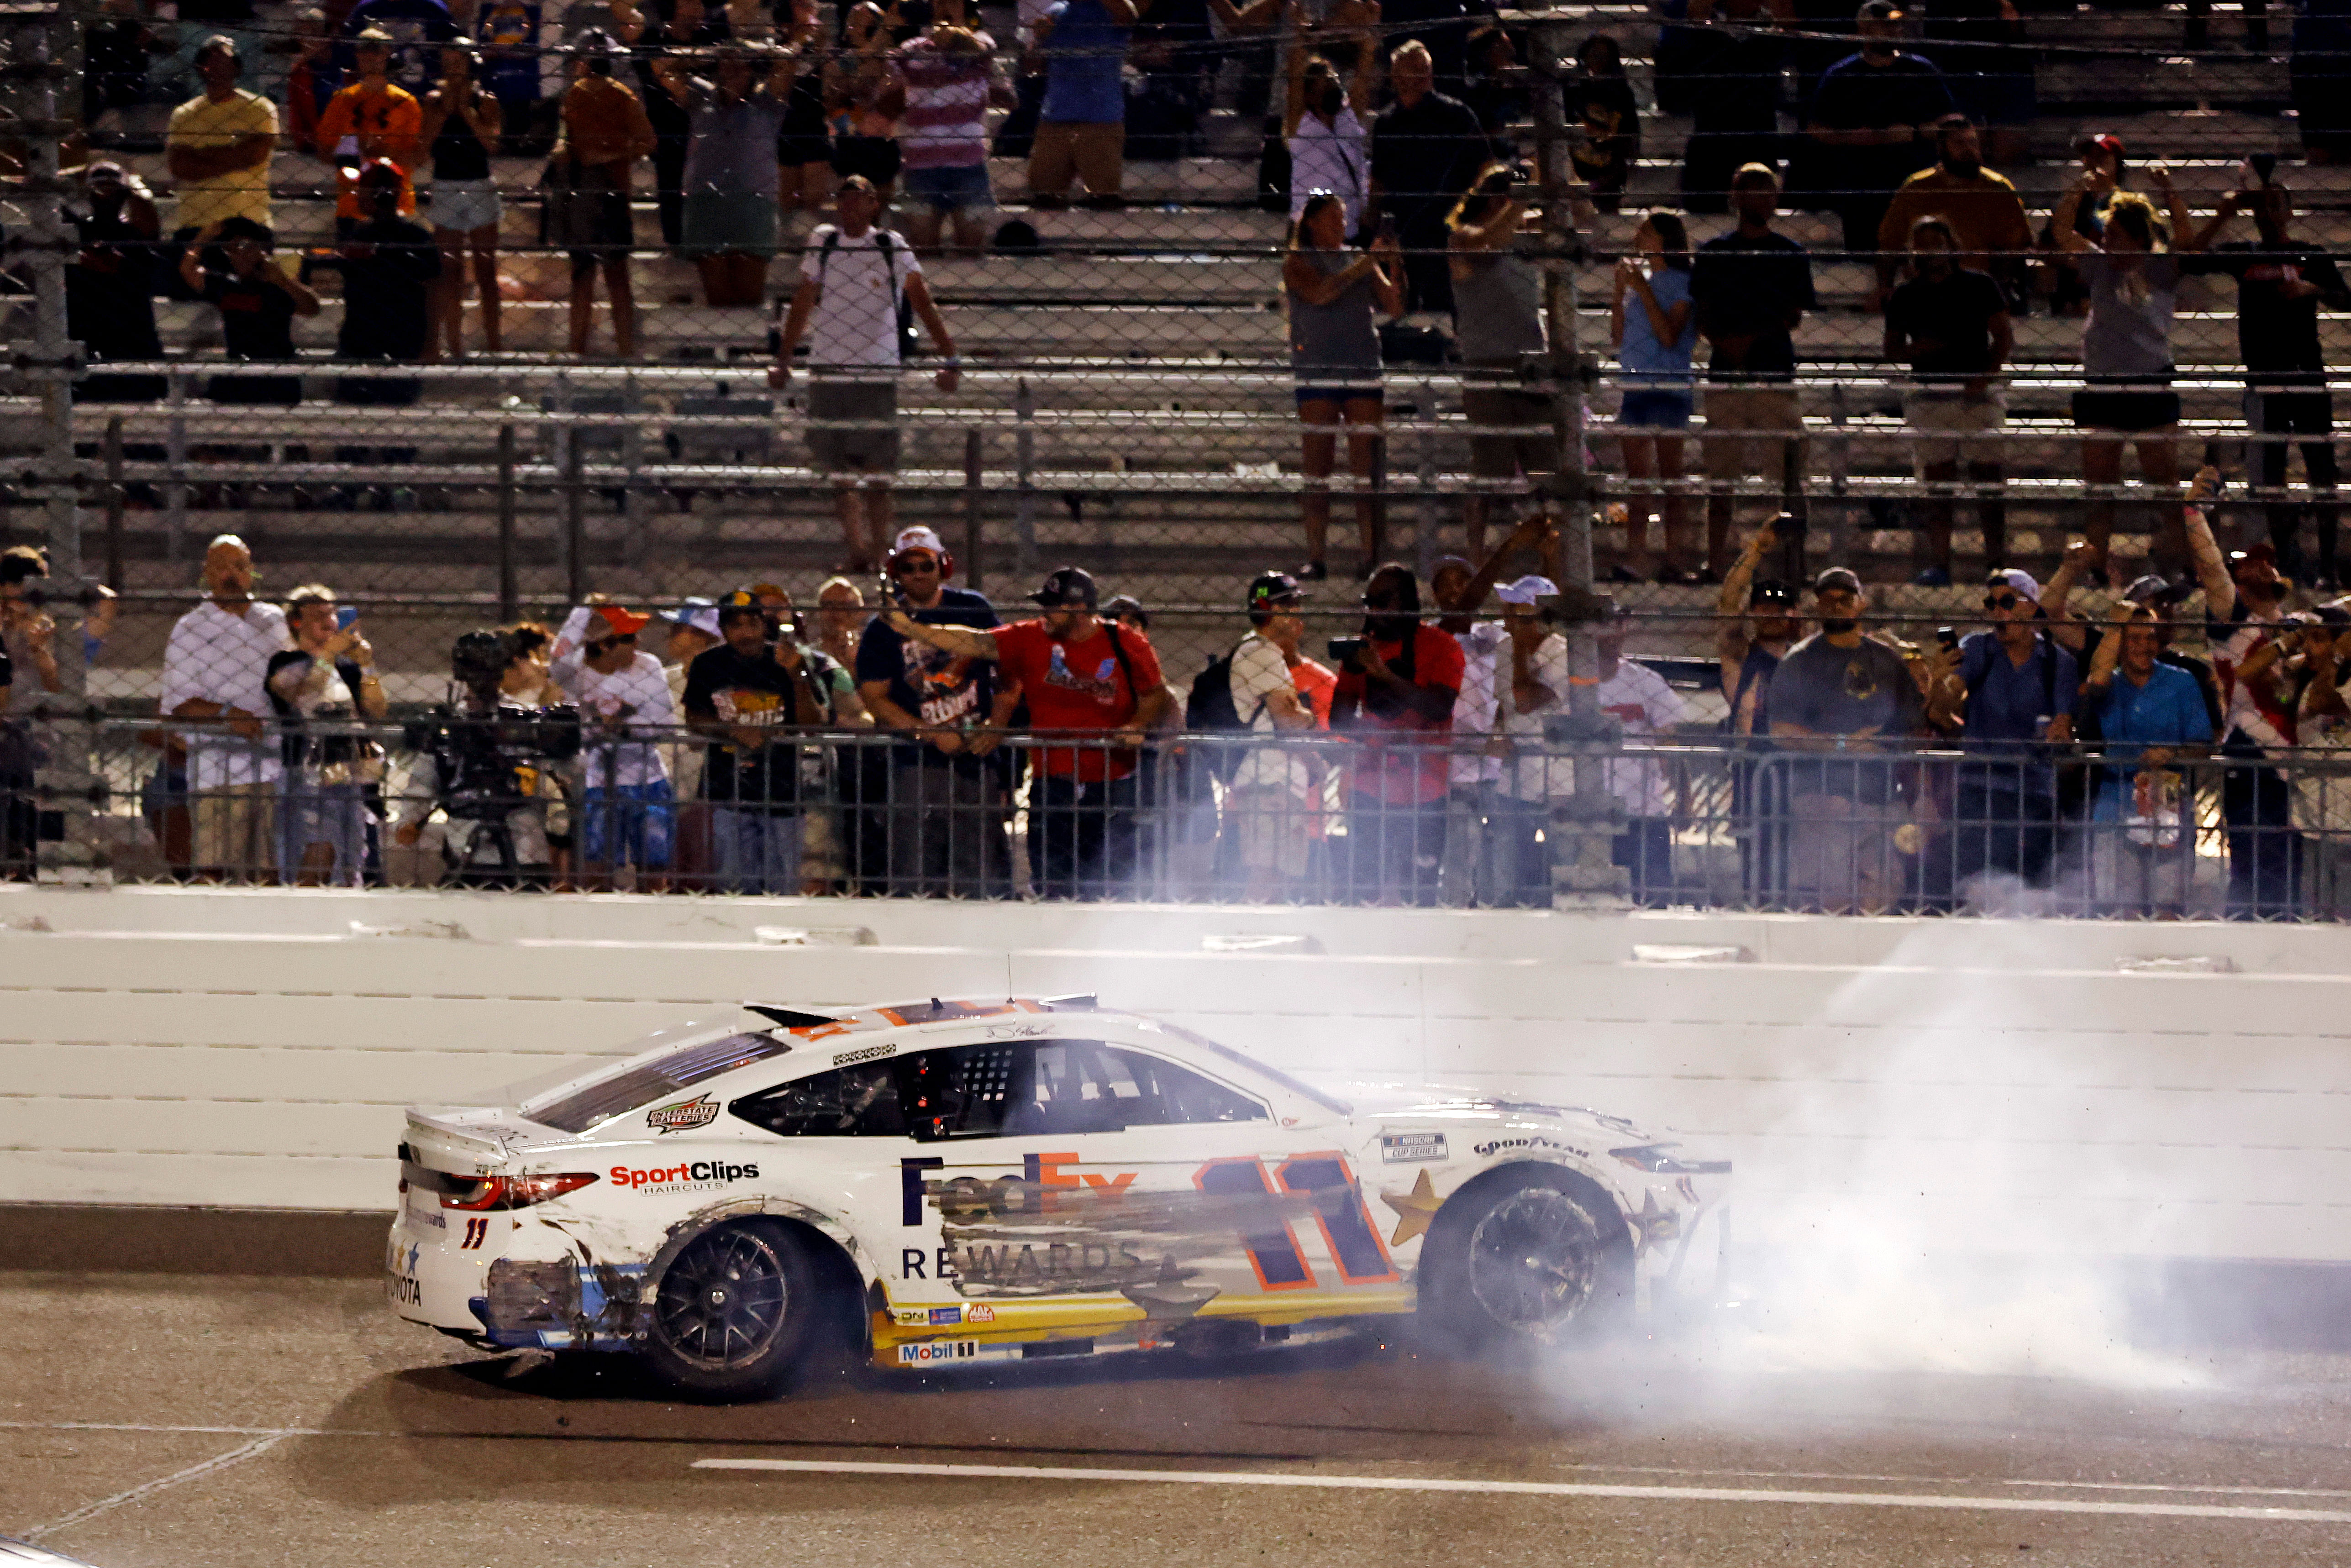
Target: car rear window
{"x": 642, "y": 1083}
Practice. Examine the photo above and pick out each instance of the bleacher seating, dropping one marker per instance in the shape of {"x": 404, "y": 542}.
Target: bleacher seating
{"x": 1163, "y": 447}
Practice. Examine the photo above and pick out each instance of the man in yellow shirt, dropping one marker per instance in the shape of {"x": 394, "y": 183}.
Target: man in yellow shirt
{"x": 373, "y": 117}
{"x": 1983, "y": 208}
{"x": 218, "y": 148}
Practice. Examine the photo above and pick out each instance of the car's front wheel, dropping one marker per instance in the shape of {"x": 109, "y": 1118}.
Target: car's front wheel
{"x": 1525, "y": 1259}
{"x": 734, "y": 1312}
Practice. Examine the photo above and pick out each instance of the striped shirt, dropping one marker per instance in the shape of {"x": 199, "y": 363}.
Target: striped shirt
{"x": 947, "y": 104}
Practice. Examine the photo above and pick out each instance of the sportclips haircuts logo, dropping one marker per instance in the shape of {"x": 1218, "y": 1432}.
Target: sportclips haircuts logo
{"x": 684, "y": 1116}
{"x": 701, "y": 1175}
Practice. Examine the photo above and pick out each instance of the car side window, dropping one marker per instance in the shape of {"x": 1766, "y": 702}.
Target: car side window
{"x": 1164, "y": 1093}
{"x": 964, "y": 1091}
{"x": 1069, "y": 1088}
{"x": 859, "y": 1101}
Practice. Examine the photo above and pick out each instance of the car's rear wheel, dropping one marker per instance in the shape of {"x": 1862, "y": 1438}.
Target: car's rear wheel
{"x": 1525, "y": 1259}
{"x": 734, "y": 1312}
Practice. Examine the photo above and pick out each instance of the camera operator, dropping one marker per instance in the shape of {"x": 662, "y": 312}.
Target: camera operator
{"x": 749, "y": 694}
{"x": 1402, "y": 679}
{"x": 485, "y": 764}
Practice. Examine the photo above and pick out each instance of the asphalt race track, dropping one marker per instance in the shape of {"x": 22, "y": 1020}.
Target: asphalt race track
{"x": 156, "y": 1420}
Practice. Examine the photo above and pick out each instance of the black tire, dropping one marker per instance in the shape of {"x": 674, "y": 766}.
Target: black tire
{"x": 1526, "y": 1260}
{"x": 735, "y": 1311}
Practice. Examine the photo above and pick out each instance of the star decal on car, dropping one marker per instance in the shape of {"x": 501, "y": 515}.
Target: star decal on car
{"x": 1414, "y": 1209}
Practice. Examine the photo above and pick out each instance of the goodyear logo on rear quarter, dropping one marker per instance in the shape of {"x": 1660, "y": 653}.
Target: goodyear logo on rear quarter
{"x": 1398, "y": 1149}
{"x": 684, "y": 1116}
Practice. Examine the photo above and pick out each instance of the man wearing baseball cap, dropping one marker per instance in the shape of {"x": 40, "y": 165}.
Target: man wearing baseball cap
{"x": 1265, "y": 811}
{"x": 941, "y": 799}
{"x": 751, "y": 695}
{"x": 2010, "y": 693}
{"x": 628, "y": 812}
{"x": 1851, "y": 699}
{"x": 1082, "y": 676}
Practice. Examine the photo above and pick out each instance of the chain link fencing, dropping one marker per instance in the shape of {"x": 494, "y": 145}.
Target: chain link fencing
{"x": 1126, "y": 398}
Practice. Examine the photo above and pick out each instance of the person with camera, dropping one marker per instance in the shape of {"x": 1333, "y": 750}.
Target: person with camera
{"x": 486, "y": 764}
{"x": 463, "y": 125}
{"x": 1334, "y": 356}
{"x": 1397, "y": 686}
{"x": 1082, "y": 676}
{"x": 2010, "y": 693}
{"x": 945, "y": 785}
{"x": 751, "y": 694}
{"x": 2282, "y": 282}
{"x": 321, "y": 689}
{"x": 628, "y": 812}
{"x": 110, "y": 293}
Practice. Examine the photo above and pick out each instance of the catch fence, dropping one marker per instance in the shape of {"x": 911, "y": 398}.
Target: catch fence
{"x": 533, "y": 801}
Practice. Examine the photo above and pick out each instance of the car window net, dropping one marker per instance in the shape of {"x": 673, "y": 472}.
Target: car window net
{"x": 601, "y": 1100}
{"x": 959, "y": 1093}
{"x": 860, "y": 1101}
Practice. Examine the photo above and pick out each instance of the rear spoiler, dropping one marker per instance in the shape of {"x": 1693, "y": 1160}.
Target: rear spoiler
{"x": 458, "y": 1137}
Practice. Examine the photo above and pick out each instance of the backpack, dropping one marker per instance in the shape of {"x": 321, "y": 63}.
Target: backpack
{"x": 907, "y": 344}
{"x": 1209, "y": 710}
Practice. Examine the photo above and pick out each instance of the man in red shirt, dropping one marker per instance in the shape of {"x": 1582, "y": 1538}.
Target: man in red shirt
{"x": 1082, "y": 676}
{"x": 1397, "y": 689}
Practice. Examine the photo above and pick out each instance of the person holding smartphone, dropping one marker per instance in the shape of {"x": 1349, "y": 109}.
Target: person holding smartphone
{"x": 1398, "y": 683}
{"x": 320, "y": 688}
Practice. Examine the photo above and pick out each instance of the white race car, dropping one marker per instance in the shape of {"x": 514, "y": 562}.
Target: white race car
{"x": 950, "y": 1183}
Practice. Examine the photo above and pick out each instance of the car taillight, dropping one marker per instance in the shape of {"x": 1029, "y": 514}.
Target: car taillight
{"x": 490, "y": 1193}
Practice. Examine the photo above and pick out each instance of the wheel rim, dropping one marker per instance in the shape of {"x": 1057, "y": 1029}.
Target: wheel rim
{"x": 1533, "y": 1262}
{"x": 722, "y": 1303}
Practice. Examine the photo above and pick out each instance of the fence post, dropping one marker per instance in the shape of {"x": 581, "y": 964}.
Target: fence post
{"x": 175, "y": 455}
{"x": 1584, "y": 821}
{"x": 114, "y": 503}
{"x": 570, "y": 527}
{"x": 974, "y": 476}
{"x": 42, "y": 58}
{"x": 1840, "y": 477}
{"x": 575, "y": 531}
{"x": 509, "y": 590}
{"x": 1024, "y": 453}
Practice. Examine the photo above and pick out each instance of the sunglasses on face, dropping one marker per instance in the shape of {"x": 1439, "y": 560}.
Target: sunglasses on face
{"x": 2001, "y": 601}
{"x": 598, "y": 650}
{"x": 923, "y": 567}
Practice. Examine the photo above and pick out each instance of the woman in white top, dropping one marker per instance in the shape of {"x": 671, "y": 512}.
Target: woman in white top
{"x": 1327, "y": 121}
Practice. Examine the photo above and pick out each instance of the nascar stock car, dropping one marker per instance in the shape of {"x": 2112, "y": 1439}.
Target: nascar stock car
{"x": 949, "y": 1184}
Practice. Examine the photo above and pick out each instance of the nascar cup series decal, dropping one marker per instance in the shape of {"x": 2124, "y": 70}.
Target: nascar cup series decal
{"x": 1395, "y": 1148}
{"x": 682, "y": 1116}
{"x": 701, "y": 1175}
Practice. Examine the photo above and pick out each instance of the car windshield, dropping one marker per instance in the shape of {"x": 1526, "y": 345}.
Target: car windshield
{"x": 574, "y": 1106}
{"x": 1329, "y": 1103}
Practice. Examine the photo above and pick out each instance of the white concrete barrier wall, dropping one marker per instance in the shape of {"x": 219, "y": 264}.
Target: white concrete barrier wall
{"x": 2005, "y": 1086}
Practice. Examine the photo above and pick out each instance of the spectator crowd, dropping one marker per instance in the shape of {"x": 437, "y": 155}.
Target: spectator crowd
{"x": 917, "y": 743}
{"x": 1406, "y": 761}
